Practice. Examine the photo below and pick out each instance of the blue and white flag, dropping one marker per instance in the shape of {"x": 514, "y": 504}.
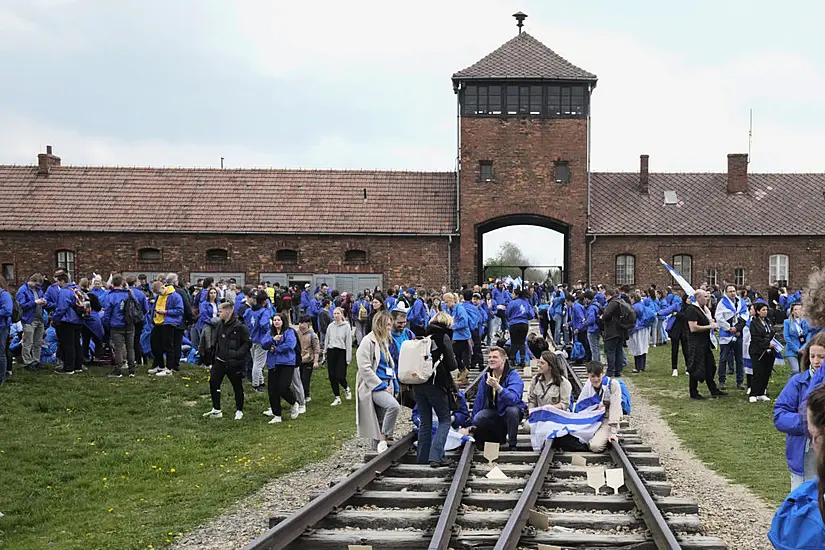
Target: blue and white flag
{"x": 548, "y": 422}
{"x": 689, "y": 290}
{"x": 517, "y": 282}
{"x": 455, "y": 439}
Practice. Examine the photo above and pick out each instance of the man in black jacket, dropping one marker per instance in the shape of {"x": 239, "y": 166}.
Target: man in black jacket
{"x": 614, "y": 334}
{"x": 228, "y": 351}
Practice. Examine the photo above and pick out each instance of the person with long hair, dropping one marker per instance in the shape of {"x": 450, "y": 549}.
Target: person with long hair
{"x": 550, "y": 386}
{"x": 280, "y": 363}
{"x": 789, "y": 414}
{"x": 6, "y": 309}
{"x": 800, "y": 520}
{"x": 435, "y": 394}
{"x": 519, "y": 314}
{"x": 763, "y": 352}
{"x": 339, "y": 354}
{"x": 795, "y": 330}
{"x": 376, "y": 384}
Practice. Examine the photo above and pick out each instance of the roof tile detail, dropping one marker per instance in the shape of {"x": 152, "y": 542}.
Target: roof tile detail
{"x": 704, "y": 206}
{"x": 117, "y": 199}
{"x": 524, "y": 57}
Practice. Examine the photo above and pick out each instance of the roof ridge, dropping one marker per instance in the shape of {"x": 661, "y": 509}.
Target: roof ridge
{"x": 241, "y": 169}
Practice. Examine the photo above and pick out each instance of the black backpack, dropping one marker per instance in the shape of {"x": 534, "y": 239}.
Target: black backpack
{"x": 132, "y": 314}
{"x": 298, "y": 350}
{"x": 627, "y": 315}
{"x": 16, "y": 310}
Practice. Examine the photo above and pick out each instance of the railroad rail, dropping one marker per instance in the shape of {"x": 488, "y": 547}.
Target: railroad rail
{"x": 393, "y": 503}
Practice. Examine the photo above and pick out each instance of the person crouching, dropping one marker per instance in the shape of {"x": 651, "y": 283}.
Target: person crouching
{"x": 498, "y": 406}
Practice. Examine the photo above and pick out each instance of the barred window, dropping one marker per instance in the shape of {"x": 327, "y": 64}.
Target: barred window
{"x": 65, "y": 259}
{"x": 217, "y": 255}
{"x": 625, "y": 269}
{"x": 149, "y": 255}
{"x": 683, "y": 264}
{"x": 739, "y": 276}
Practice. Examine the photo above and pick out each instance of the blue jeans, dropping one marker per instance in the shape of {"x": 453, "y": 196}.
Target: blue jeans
{"x": 427, "y": 398}
{"x": 558, "y": 332}
{"x": 793, "y": 362}
{"x": 594, "y": 339}
{"x": 615, "y": 356}
{"x": 4, "y": 342}
{"x": 730, "y": 358}
{"x": 491, "y": 326}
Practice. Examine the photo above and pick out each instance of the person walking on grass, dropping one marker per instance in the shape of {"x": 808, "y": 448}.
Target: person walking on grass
{"x": 279, "y": 344}
{"x": 376, "y": 385}
{"x": 310, "y": 353}
{"x": 228, "y": 351}
{"x": 763, "y": 352}
{"x": 339, "y": 354}
{"x": 258, "y": 318}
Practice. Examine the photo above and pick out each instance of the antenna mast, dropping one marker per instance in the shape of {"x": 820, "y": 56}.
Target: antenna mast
{"x": 750, "y": 135}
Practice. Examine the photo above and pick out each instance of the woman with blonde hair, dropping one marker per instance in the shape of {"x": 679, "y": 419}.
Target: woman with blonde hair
{"x": 376, "y": 384}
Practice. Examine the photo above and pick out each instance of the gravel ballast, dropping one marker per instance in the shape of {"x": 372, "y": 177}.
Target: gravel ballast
{"x": 728, "y": 511}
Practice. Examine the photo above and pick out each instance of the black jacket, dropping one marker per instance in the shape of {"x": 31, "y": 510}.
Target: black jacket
{"x": 188, "y": 316}
{"x": 760, "y": 338}
{"x": 610, "y": 318}
{"x": 231, "y": 343}
{"x": 443, "y": 355}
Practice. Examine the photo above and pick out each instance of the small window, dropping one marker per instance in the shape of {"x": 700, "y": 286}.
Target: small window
{"x": 683, "y": 264}
{"x": 287, "y": 256}
{"x": 8, "y": 273}
{"x": 625, "y": 269}
{"x": 671, "y": 198}
{"x": 779, "y": 269}
{"x": 710, "y": 276}
{"x": 149, "y": 255}
{"x": 355, "y": 257}
{"x": 562, "y": 172}
{"x": 65, "y": 259}
{"x": 739, "y": 276}
{"x": 217, "y": 255}
{"x": 485, "y": 170}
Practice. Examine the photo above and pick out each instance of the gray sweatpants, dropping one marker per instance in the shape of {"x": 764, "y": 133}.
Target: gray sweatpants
{"x": 387, "y": 409}
{"x": 32, "y": 340}
{"x": 123, "y": 339}
{"x": 298, "y": 387}
{"x": 258, "y": 363}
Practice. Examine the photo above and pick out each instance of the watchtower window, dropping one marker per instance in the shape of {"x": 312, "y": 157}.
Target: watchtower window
{"x": 485, "y": 169}
{"x": 562, "y": 172}
{"x": 482, "y": 100}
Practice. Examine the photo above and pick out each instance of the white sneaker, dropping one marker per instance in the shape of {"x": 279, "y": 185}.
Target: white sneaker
{"x": 154, "y": 370}
{"x": 268, "y": 412}
{"x": 675, "y": 373}
{"x": 214, "y": 413}
{"x": 238, "y": 415}
{"x": 302, "y": 409}
{"x": 295, "y": 411}
{"x": 348, "y": 394}
{"x": 763, "y": 398}
{"x": 382, "y": 446}
{"x": 749, "y": 391}
{"x": 308, "y": 399}
{"x": 275, "y": 420}
{"x": 752, "y": 399}
{"x": 164, "y": 372}
{"x": 336, "y": 401}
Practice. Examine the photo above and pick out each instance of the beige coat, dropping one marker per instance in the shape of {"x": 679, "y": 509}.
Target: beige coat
{"x": 544, "y": 393}
{"x": 367, "y": 357}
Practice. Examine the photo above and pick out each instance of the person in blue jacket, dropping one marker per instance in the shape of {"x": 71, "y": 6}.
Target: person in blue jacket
{"x": 258, "y": 318}
{"x": 306, "y": 300}
{"x": 796, "y": 334}
{"x": 279, "y": 344}
{"x": 577, "y": 318}
{"x": 489, "y": 306}
{"x": 67, "y": 323}
{"x": 498, "y": 407}
{"x": 461, "y": 335}
{"x": 600, "y": 298}
{"x": 592, "y": 313}
{"x": 502, "y": 297}
{"x": 799, "y": 523}
{"x": 417, "y": 317}
{"x": 675, "y": 331}
{"x": 122, "y": 332}
{"x": 32, "y": 304}
{"x": 519, "y": 314}
{"x": 789, "y": 415}
{"x": 556, "y": 313}
{"x": 6, "y": 309}
{"x": 470, "y": 305}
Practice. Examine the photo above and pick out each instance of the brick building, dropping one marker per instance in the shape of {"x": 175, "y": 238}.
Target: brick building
{"x": 524, "y": 159}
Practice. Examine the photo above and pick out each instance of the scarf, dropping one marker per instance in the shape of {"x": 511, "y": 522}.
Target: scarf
{"x": 160, "y": 303}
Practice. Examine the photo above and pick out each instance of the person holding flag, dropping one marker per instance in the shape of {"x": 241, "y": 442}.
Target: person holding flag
{"x": 731, "y": 316}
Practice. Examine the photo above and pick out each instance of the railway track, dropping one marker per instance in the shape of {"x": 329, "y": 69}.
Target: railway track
{"x": 393, "y": 503}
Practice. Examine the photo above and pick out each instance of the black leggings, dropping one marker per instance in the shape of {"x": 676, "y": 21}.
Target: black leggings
{"x": 762, "y": 369}
{"x": 306, "y": 377}
{"x": 337, "y": 367}
{"x": 279, "y": 384}
{"x": 71, "y": 349}
{"x": 675, "y": 341}
{"x": 518, "y": 336}
{"x": 235, "y": 375}
{"x": 163, "y": 343}
{"x": 461, "y": 349}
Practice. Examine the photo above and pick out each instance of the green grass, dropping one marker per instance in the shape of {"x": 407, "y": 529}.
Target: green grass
{"x": 92, "y": 462}
{"x": 735, "y": 438}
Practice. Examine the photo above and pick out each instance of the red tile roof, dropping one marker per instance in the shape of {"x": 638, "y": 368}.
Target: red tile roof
{"x": 115, "y": 199}
{"x": 775, "y": 204}
{"x": 524, "y": 57}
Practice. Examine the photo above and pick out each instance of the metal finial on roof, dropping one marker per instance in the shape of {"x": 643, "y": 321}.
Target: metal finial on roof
{"x": 520, "y": 17}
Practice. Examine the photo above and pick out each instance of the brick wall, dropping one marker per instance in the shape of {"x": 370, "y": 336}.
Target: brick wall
{"x": 523, "y": 152}
{"x": 417, "y": 261}
{"x": 723, "y": 253}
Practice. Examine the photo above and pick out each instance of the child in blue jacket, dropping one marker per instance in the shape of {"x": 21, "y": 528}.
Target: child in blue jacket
{"x": 279, "y": 344}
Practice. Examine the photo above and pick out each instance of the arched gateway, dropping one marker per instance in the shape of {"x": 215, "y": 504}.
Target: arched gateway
{"x": 523, "y": 150}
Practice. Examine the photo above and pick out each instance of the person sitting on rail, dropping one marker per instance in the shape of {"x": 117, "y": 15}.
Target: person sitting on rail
{"x": 498, "y": 407}
{"x": 789, "y": 414}
{"x": 608, "y": 392}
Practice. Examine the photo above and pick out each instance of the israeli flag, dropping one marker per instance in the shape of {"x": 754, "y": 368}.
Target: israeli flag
{"x": 689, "y": 290}
{"x": 548, "y": 422}
{"x": 455, "y": 439}
{"x": 517, "y": 282}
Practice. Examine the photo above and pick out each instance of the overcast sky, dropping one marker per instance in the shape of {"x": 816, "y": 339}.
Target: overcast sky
{"x": 367, "y": 84}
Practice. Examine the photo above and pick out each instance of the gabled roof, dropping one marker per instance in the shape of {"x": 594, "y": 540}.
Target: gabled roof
{"x": 115, "y": 199}
{"x": 524, "y": 57}
{"x": 775, "y": 204}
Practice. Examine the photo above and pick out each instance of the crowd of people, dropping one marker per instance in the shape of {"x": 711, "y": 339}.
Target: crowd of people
{"x": 242, "y": 332}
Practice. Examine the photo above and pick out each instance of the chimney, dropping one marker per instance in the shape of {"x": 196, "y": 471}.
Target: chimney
{"x": 46, "y": 161}
{"x": 644, "y": 174}
{"x": 737, "y": 173}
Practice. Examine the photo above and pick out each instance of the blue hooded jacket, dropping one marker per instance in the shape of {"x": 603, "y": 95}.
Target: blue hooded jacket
{"x": 790, "y": 417}
{"x": 390, "y": 302}
{"x": 577, "y": 317}
{"x": 473, "y": 317}
{"x": 283, "y": 353}
{"x": 113, "y": 305}
{"x": 792, "y": 345}
{"x": 674, "y": 306}
{"x": 64, "y": 307}
{"x": 306, "y": 299}
{"x": 797, "y": 524}
{"x": 418, "y": 314}
{"x": 26, "y": 297}
{"x": 512, "y": 388}
{"x": 461, "y": 324}
{"x": 502, "y": 297}
{"x": 205, "y": 313}
{"x": 591, "y": 317}
{"x": 6, "y": 308}
{"x": 600, "y": 300}
{"x": 258, "y": 321}
{"x": 519, "y": 312}
{"x": 51, "y": 296}
{"x": 557, "y": 303}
